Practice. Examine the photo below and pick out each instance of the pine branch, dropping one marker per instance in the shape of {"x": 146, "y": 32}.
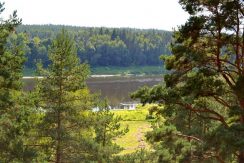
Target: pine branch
{"x": 189, "y": 137}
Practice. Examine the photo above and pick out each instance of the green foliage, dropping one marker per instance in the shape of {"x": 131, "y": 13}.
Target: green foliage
{"x": 54, "y": 123}
{"x": 101, "y": 47}
{"x": 132, "y": 115}
{"x": 203, "y": 93}
{"x": 140, "y": 156}
{"x": 107, "y": 128}
{"x": 65, "y": 128}
{"x": 15, "y": 106}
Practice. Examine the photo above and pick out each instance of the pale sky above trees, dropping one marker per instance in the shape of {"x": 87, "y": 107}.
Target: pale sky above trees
{"x": 159, "y": 14}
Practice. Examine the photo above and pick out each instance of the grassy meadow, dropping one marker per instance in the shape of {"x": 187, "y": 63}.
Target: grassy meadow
{"x": 138, "y": 125}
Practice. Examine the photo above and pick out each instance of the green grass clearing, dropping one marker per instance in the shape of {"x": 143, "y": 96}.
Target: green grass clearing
{"x": 135, "y": 138}
{"x": 138, "y": 125}
{"x": 132, "y": 115}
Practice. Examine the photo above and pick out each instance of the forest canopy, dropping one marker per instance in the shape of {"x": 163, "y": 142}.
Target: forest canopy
{"x": 100, "y": 46}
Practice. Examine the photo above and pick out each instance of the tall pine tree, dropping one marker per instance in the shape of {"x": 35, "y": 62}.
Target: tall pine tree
{"x": 65, "y": 103}
{"x": 203, "y": 95}
{"x": 14, "y": 106}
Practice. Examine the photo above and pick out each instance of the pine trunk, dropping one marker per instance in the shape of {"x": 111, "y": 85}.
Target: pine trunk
{"x": 241, "y": 157}
{"x": 241, "y": 153}
{"x": 58, "y": 149}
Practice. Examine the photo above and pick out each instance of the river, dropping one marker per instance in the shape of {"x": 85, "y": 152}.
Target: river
{"x": 116, "y": 88}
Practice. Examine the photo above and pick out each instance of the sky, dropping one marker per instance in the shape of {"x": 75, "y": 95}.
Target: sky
{"x": 143, "y": 14}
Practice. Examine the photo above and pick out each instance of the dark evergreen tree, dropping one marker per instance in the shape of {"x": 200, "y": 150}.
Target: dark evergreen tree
{"x": 65, "y": 102}
{"x": 203, "y": 94}
{"x": 14, "y": 109}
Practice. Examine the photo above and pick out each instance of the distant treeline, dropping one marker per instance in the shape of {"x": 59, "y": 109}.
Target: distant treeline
{"x": 101, "y": 46}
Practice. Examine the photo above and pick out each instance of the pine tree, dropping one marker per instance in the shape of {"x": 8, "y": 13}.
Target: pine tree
{"x": 107, "y": 128}
{"x": 203, "y": 94}
{"x": 14, "y": 105}
{"x": 65, "y": 103}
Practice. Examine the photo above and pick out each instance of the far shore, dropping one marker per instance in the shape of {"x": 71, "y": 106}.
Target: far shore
{"x": 93, "y": 76}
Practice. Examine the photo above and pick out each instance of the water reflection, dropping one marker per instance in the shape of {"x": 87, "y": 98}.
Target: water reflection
{"x": 116, "y": 88}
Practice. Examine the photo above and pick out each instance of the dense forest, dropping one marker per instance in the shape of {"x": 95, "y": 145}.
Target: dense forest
{"x": 101, "y": 47}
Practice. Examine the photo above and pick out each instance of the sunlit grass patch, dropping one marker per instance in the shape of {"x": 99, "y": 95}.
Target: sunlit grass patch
{"x": 135, "y": 138}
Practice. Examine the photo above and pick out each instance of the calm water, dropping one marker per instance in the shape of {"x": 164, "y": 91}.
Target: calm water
{"x": 117, "y": 89}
